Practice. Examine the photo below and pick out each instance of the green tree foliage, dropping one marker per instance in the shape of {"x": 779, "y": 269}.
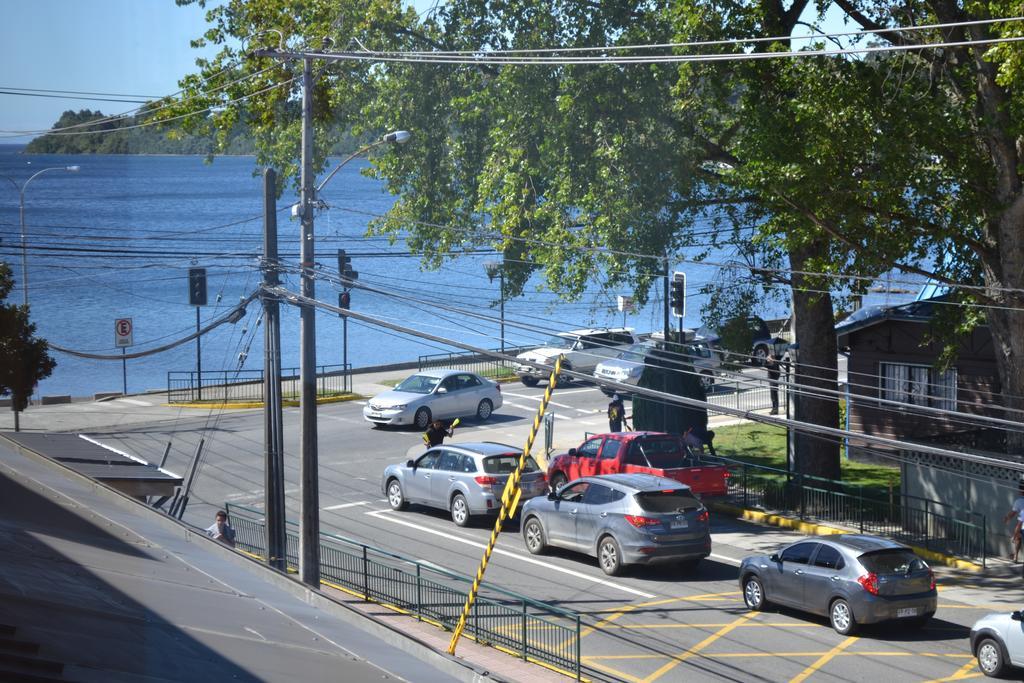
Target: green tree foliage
{"x": 24, "y": 359}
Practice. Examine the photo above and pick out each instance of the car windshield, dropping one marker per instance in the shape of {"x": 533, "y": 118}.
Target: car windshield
{"x": 664, "y": 452}
{"x": 506, "y": 464}
{"x": 559, "y": 342}
{"x": 892, "y": 561}
{"x": 634, "y": 353}
{"x": 671, "y": 500}
{"x": 418, "y": 384}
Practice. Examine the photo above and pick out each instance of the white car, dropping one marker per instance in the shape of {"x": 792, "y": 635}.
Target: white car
{"x": 629, "y": 364}
{"x": 997, "y": 640}
{"x": 434, "y": 395}
{"x": 583, "y": 350}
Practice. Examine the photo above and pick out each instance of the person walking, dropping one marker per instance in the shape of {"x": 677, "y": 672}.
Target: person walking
{"x": 221, "y": 529}
{"x": 1015, "y": 512}
{"x": 616, "y": 414}
{"x": 434, "y": 436}
{"x": 771, "y": 364}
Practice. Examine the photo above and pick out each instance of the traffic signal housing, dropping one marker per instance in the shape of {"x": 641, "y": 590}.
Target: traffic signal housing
{"x": 677, "y": 294}
{"x": 344, "y": 301}
{"x": 345, "y": 268}
{"x": 197, "y": 286}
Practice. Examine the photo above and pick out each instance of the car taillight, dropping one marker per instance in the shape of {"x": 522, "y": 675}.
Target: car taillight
{"x": 931, "y": 575}
{"x": 543, "y": 476}
{"x": 486, "y": 481}
{"x": 703, "y": 516}
{"x": 640, "y": 521}
{"x": 869, "y": 582}
{"x": 726, "y": 475}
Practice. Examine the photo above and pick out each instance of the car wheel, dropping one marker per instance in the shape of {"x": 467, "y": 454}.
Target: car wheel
{"x": 753, "y": 594}
{"x": 557, "y": 481}
{"x": 460, "y": 510}
{"x": 422, "y": 418}
{"x": 484, "y": 410}
{"x": 565, "y": 379}
{"x": 533, "y": 535}
{"x": 990, "y": 658}
{"x": 609, "y": 556}
{"x": 707, "y": 380}
{"x": 760, "y": 354}
{"x": 840, "y": 615}
{"x": 396, "y": 498}
{"x": 529, "y": 381}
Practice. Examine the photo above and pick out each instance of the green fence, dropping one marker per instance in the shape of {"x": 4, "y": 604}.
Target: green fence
{"x": 922, "y": 522}
{"x": 519, "y": 625}
{"x": 247, "y": 385}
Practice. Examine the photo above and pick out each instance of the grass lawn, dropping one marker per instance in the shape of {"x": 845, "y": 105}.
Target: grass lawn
{"x": 766, "y": 445}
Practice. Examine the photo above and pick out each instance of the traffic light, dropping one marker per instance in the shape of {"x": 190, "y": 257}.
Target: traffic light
{"x": 197, "y": 286}
{"x": 344, "y": 301}
{"x": 345, "y": 268}
{"x": 677, "y": 294}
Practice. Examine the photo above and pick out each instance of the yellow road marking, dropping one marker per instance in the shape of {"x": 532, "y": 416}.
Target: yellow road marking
{"x": 739, "y": 655}
{"x": 966, "y": 671}
{"x": 824, "y": 659}
{"x": 682, "y": 657}
{"x": 640, "y": 627}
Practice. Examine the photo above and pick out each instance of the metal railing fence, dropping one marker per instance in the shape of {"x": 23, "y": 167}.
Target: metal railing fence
{"x": 485, "y": 366}
{"x": 517, "y": 624}
{"x": 247, "y": 385}
{"x": 927, "y": 523}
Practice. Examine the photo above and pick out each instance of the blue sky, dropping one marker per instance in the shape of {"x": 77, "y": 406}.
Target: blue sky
{"x": 135, "y": 47}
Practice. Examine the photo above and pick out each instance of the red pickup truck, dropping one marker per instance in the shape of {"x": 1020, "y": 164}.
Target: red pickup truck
{"x": 663, "y": 455}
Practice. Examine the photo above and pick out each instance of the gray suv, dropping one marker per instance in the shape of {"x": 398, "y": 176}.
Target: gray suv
{"x": 853, "y": 579}
{"x": 466, "y": 479}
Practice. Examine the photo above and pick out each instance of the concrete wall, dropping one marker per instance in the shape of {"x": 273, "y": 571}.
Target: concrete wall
{"x": 985, "y": 489}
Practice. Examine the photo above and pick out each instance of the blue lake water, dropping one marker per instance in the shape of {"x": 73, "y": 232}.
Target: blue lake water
{"x": 116, "y": 240}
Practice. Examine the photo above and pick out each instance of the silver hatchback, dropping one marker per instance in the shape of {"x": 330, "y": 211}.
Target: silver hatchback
{"x": 466, "y": 479}
{"x": 621, "y": 519}
{"x": 853, "y": 579}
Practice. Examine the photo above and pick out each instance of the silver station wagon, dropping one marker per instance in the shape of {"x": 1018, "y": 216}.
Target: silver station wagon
{"x": 621, "y": 519}
{"x": 466, "y": 479}
{"x": 853, "y": 579}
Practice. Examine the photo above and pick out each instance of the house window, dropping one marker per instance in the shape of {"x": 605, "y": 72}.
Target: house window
{"x": 919, "y": 385}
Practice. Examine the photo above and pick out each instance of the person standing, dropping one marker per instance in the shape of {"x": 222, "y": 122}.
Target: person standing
{"x": 434, "y": 436}
{"x": 616, "y": 414}
{"x": 221, "y": 530}
{"x": 1015, "y": 512}
{"x": 771, "y": 364}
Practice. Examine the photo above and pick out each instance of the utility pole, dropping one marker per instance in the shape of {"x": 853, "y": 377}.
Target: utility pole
{"x": 309, "y": 525}
{"x": 273, "y": 427}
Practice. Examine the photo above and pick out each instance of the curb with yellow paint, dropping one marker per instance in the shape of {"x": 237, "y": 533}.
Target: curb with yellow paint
{"x": 240, "y": 405}
{"x": 814, "y": 529}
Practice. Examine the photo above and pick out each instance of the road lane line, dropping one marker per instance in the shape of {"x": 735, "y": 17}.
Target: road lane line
{"x": 964, "y": 672}
{"x": 346, "y": 505}
{"x": 823, "y": 660}
{"x": 679, "y": 659}
{"x": 389, "y": 516}
{"x": 540, "y": 398}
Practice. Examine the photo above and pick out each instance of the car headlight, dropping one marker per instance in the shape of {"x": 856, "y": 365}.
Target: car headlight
{"x": 400, "y": 406}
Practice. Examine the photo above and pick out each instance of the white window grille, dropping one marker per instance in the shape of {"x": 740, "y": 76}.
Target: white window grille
{"x": 918, "y": 385}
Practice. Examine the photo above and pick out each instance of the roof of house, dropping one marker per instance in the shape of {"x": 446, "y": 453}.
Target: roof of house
{"x": 915, "y": 311}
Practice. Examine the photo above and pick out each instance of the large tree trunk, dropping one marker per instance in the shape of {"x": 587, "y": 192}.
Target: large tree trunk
{"x": 814, "y": 325}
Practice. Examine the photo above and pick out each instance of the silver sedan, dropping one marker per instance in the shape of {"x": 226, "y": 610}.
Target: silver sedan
{"x": 434, "y": 395}
{"x": 853, "y": 579}
{"x": 621, "y": 519}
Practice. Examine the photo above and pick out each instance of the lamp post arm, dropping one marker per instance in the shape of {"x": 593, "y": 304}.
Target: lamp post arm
{"x": 350, "y": 157}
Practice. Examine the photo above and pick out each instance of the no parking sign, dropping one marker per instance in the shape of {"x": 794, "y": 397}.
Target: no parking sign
{"x": 123, "y": 332}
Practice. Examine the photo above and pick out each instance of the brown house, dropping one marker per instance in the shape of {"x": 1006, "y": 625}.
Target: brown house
{"x": 889, "y": 360}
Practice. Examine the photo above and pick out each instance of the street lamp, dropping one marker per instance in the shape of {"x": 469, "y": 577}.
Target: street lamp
{"x": 24, "y": 247}
{"x": 496, "y": 269}
{"x": 309, "y": 526}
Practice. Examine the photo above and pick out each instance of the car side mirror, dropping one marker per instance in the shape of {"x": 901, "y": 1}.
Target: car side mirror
{"x": 1017, "y": 616}
{"x": 553, "y": 495}
{"x": 775, "y": 558}
{"x": 411, "y": 464}
{"x": 572, "y": 451}
{"x": 442, "y": 390}
{"x": 577, "y": 346}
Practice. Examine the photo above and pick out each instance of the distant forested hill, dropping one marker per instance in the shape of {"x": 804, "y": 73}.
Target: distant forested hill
{"x": 120, "y": 137}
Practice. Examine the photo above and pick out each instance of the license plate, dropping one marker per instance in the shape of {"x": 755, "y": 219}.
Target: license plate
{"x": 678, "y": 524}
{"x": 906, "y": 612}
{"x": 375, "y": 414}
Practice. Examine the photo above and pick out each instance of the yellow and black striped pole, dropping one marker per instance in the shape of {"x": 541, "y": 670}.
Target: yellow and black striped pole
{"x": 509, "y": 501}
